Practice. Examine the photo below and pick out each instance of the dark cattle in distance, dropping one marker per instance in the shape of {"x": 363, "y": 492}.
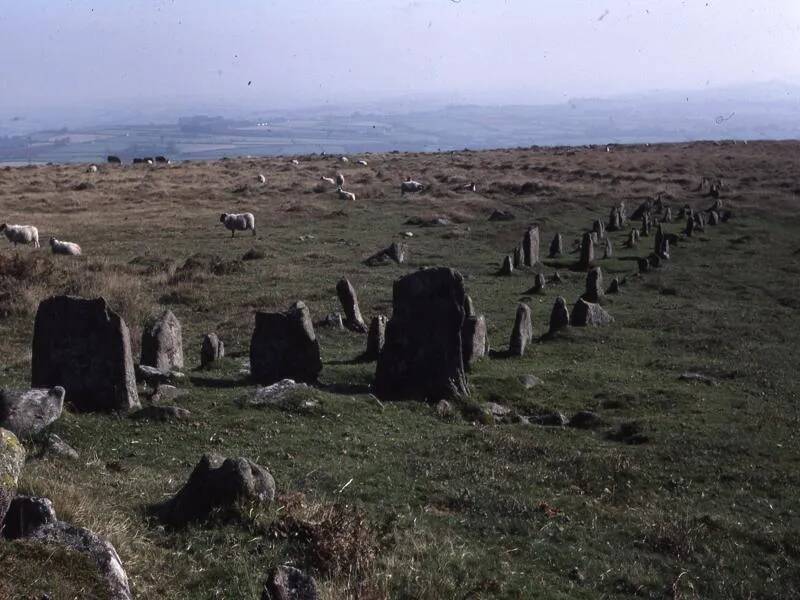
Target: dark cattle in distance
{"x": 162, "y": 160}
{"x": 114, "y": 160}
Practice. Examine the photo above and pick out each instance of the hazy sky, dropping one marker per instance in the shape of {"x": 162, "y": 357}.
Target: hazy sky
{"x": 300, "y": 52}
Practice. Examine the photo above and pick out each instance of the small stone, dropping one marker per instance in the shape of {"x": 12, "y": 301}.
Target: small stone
{"x": 501, "y": 215}
{"x": 56, "y": 446}
{"x": 444, "y": 409}
{"x": 698, "y": 377}
{"x": 553, "y": 419}
{"x": 376, "y": 337}
{"x": 161, "y": 413}
{"x": 522, "y": 333}
{"x": 614, "y": 287}
{"x": 557, "y": 246}
{"x": 589, "y": 314}
{"x": 289, "y": 583}
{"x": 529, "y": 381}
{"x": 211, "y": 349}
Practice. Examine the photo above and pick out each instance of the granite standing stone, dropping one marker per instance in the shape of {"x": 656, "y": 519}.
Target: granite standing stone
{"x": 522, "y": 333}
{"x": 530, "y": 246}
{"x": 347, "y": 296}
{"x": 162, "y": 343}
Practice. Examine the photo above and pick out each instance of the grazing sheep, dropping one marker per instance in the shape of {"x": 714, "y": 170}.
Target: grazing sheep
{"x": 92, "y": 169}
{"x": 363, "y": 163}
{"x": 238, "y": 222}
{"x": 344, "y": 159}
{"x": 339, "y": 179}
{"x": 346, "y": 195}
{"x": 68, "y": 248}
{"x": 328, "y": 179}
{"x": 148, "y": 161}
{"x": 261, "y": 178}
{"x": 410, "y": 186}
{"x": 21, "y": 234}
{"x": 295, "y": 161}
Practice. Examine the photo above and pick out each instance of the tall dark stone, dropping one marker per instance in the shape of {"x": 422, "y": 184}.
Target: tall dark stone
{"x": 423, "y": 354}
{"x": 162, "y": 343}
{"x": 507, "y": 268}
{"x": 284, "y": 346}
{"x": 84, "y": 347}
{"x": 518, "y": 258}
{"x": 594, "y": 285}
{"x": 559, "y": 316}
{"x": 347, "y": 296}
{"x": 614, "y": 219}
{"x": 557, "y": 246}
{"x": 609, "y": 251}
{"x": 376, "y": 337}
{"x": 211, "y": 350}
{"x": 530, "y": 246}
{"x": 587, "y": 251}
{"x": 522, "y": 333}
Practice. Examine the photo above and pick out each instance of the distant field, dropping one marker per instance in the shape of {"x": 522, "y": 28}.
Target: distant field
{"x": 707, "y": 507}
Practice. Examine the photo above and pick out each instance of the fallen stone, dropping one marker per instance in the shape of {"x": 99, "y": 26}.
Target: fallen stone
{"x": 154, "y": 377}
{"x": 12, "y": 459}
{"x": 553, "y": 419}
{"x": 501, "y": 215}
{"x": 396, "y": 252}
{"x": 25, "y": 515}
{"x": 284, "y": 346}
{"x": 56, "y": 446}
{"x": 697, "y": 377}
{"x": 529, "y": 381}
{"x": 589, "y": 314}
{"x": 349, "y": 300}
{"x": 522, "y": 333}
{"x": 161, "y": 413}
{"x": 217, "y": 484}
{"x": 276, "y": 394}
{"x": 84, "y": 346}
{"x": 25, "y": 413}
{"x": 498, "y": 411}
{"x": 162, "y": 343}
{"x": 211, "y": 349}
{"x": 289, "y": 583}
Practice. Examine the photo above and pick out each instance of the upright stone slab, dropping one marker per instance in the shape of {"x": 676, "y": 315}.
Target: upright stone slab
{"x": 614, "y": 287}
{"x": 667, "y": 215}
{"x": 517, "y": 258}
{"x": 594, "y": 285}
{"x": 539, "y": 283}
{"x": 469, "y": 307}
{"x": 12, "y": 459}
{"x": 423, "y": 354}
{"x": 475, "y": 342}
{"x": 162, "y": 343}
{"x": 557, "y": 246}
{"x": 633, "y": 238}
{"x": 609, "y": 252}
{"x": 27, "y": 412}
{"x": 530, "y": 246}
{"x": 284, "y": 346}
{"x": 623, "y": 215}
{"x": 507, "y": 268}
{"x": 352, "y": 313}
{"x": 614, "y": 219}
{"x": 211, "y": 350}
{"x": 587, "y": 251}
{"x": 84, "y": 347}
{"x": 599, "y": 228}
{"x": 559, "y": 316}
{"x": 376, "y": 337}
{"x": 522, "y": 333}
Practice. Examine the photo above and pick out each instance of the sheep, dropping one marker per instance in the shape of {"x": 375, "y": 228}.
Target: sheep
{"x": 410, "y": 186}
{"x": 328, "y": 179}
{"x": 344, "y": 159}
{"x": 295, "y": 161}
{"x": 261, "y": 178}
{"x": 363, "y": 163}
{"x": 92, "y": 169}
{"x": 21, "y": 234}
{"x": 339, "y": 179}
{"x": 346, "y": 195}
{"x": 68, "y": 248}
{"x": 238, "y": 222}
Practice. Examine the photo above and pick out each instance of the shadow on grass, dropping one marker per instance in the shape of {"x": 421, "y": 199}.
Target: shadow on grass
{"x": 217, "y": 382}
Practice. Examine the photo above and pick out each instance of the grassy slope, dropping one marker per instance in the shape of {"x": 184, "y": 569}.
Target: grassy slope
{"x": 707, "y": 508}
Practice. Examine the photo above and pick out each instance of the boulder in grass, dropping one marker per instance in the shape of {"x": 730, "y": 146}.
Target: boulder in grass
{"x": 585, "y": 419}
{"x": 55, "y": 446}
{"x": 501, "y": 215}
{"x": 589, "y": 314}
{"x": 161, "y": 413}
{"x": 217, "y": 485}
{"x": 211, "y": 349}
{"x": 396, "y": 252}
{"x": 289, "y": 583}
{"x": 25, "y": 515}
{"x": 12, "y": 459}
{"x": 559, "y": 316}
{"x": 27, "y": 412}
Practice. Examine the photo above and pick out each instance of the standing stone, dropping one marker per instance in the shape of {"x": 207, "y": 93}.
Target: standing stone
{"x": 589, "y": 314}
{"x": 595, "y": 238}
{"x": 376, "y": 337}
{"x": 614, "y": 287}
{"x": 556, "y": 278}
{"x": 647, "y": 223}
{"x": 284, "y": 346}
{"x": 713, "y": 218}
{"x": 557, "y": 246}
{"x": 559, "y": 316}
{"x": 587, "y": 251}
{"x": 469, "y": 307}
{"x": 162, "y": 343}
{"x": 518, "y": 257}
{"x": 530, "y": 246}
{"x": 507, "y": 268}
{"x": 623, "y": 215}
{"x": 539, "y": 283}
{"x": 289, "y": 583}
{"x": 12, "y": 459}
{"x": 661, "y": 244}
{"x": 211, "y": 350}
{"x": 609, "y": 252}
{"x": 352, "y": 313}
{"x": 633, "y": 238}
{"x": 423, "y": 354}
{"x": 594, "y": 285}
{"x": 689, "y": 227}
{"x": 84, "y": 347}
{"x": 522, "y": 333}
{"x": 644, "y": 208}
{"x": 475, "y": 343}
{"x": 599, "y": 228}
{"x": 25, "y": 413}
{"x": 614, "y": 220}
{"x": 644, "y": 265}
{"x": 667, "y": 215}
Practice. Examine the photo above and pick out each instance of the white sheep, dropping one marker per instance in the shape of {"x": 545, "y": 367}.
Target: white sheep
{"x": 346, "y": 195}
{"x": 21, "y": 234}
{"x": 344, "y": 159}
{"x": 363, "y": 163}
{"x": 68, "y": 248}
{"x": 328, "y": 179}
{"x": 295, "y": 161}
{"x": 238, "y": 222}
{"x": 261, "y": 178}
{"x": 92, "y": 169}
{"x": 339, "y": 179}
{"x": 410, "y": 186}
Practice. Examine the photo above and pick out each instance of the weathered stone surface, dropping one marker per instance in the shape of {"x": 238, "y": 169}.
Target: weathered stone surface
{"x": 154, "y": 377}
{"x": 12, "y": 459}
{"x": 609, "y": 250}
{"x": 539, "y": 284}
{"x": 553, "y": 419}
{"x": 559, "y": 316}
{"x": 474, "y": 339}
{"x": 522, "y": 333}
{"x": 585, "y": 419}
{"x": 529, "y": 381}
{"x": 587, "y": 251}
{"x": 396, "y": 252}
{"x": 211, "y": 350}
{"x": 55, "y": 446}
{"x": 84, "y": 346}
{"x": 469, "y": 307}
{"x": 101, "y": 552}
{"x": 556, "y": 278}
{"x": 633, "y": 238}
{"x": 444, "y": 409}
{"x": 501, "y": 215}
{"x": 599, "y": 228}
{"x": 289, "y": 583}
{"x": 162, "y": 343}
{"x": 507, "y": 268}
{"x": 594, "y": 285}
{"x": 614, "y": 219}
{"x": 614, "y": 287}
{"x": 589, "y": 314}
{"x": 280, "y": 395}
{"x": 376, "y": 337}
{"x": 530, "y": 246}
{"x": 557, "y": 246}
{"x": 284, "y": 345}
{"x": 423, "y": 354}
{"x": 347, "y": 296}
{"x": 517, "y": 258}
{"x": 26, "y": 412}
{"x": 161, "y": 413}
{"x": 25, "y": 515}
{"x": 217, "y": 484}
